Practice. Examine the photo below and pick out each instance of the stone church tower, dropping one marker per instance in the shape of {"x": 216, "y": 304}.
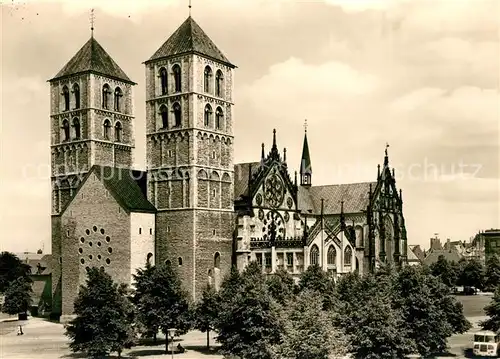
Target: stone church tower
{"x": 91, "y": 119}
{"x": 189, "y": 129}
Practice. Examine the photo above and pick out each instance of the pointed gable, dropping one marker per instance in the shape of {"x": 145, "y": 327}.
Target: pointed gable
{"x": 190, "y": 38}
{"x": 93, "y": 58}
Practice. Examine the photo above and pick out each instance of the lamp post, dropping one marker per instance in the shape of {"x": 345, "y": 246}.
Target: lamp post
{"x": 171, "y": 334}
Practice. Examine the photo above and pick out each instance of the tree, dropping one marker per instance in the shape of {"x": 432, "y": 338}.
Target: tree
{"x": 472, "y": 274}
{"x": 492, "y": 310}
{"x": 308, "y": 331}
{"x": 11, "y": 268}
{"x": 248, "y": 324}
{"x": 145, "y": 303}
{"x": 161, "y": 301}
{"x": 281, "y": 286}
{"x": 206, "y": 312}
{"x": 492, "y": 275}
{"x": 445, "y": 271}
{"x": 365, "y": 312}
{"x": 17, "y": 296}
{"x": 427, "y": 310}
{"x": 314, "y": 278}
{"x": 104, "y": 317}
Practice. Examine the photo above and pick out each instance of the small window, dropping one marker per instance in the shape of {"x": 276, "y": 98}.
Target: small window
{"x": 218, "y": 83}
{"x": 108, "y": 261}
{"x": 105, "y": 96}
{"x": 289, "y": 259}
{"x": 99, "y": 257}
{"x": 207, "y": 116}
{"x": 101, "y": 268}
{"x": 180, "y": 260}
{"x": 76, "y": 93}
{"x": 167, "y": 262}
{"x": 118, "y": 132}
{"x": 65, "y": 127}
{"x": 177, "y": 77}
{"x": 148, "y": 257}
{"x": 106, "y": 129}
{"x": 90, "y": 256}
{"x": 76, "y": 128}
{"x": 258, "y": 257}
{"x": 67, "y": 233}
{"x": 82, "y": 261}
{"x": 90, "y": 244}
{"x": 88, "y": 232}
{"x": 82, "y": 239}
{"x": 177, "y": 114}
{"x": 65, "y": 94}
{"x": 217, "y": 260}
{"x": 140, "y": 230}
{"x": 110, "y": 250}
{"x": 80, "y": 250}
{"x": 268, "y": 260}
{"x": 108, "y": 239}
{"x": 94, "y": 229}
{"x": 214, "y": 193}
{"x": 60, "y": 260}
{"x": 168, "y": 229}
{"x": 99, "y": 244}
{"x": 207, "y": 79}
{"x": 169, "y": 153}
{"x": 118, "y": 96}
{"x": 163, "y": 81}
{"x": 164, "y": 117}
{"x": 213, "y": 232}
{"x": 102, "y": 230}
{"x": 219, "y": 118}
{"x": 151, "y": 231}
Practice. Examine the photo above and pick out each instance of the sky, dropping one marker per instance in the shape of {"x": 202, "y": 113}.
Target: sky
{"x": 422, "y": 76}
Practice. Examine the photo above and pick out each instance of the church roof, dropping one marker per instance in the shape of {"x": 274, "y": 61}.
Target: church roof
{"x": 93, "y": 58}
{"x": 354, "y": 195}
{"x": 190, "y": 38}
{"x": 449, "y": 255}
{"x": 241, "y": 177}
{"x": 127, "y": 186}
{"x": 305, "y": 163}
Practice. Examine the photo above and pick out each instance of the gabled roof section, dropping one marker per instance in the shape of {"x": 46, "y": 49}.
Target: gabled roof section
{"x": 93, "y": 58}
{"x": 242, "y": 177}
{"x": 190, "y": 38}
{"x": 354, "y": 195}
{"x": 127, "y": 186}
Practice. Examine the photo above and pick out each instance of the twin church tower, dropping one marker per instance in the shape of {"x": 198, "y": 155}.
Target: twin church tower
{"x": 106, "y": 214}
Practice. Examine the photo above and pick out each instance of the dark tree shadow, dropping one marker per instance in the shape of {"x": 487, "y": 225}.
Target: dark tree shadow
{"x": 202, "y": 349}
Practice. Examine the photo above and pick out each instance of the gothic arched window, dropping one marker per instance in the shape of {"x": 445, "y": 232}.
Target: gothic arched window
{"x": 331, "y": 258}
{"x": 219, "y": 117}
{"x": 76, "y": 93}
{"x": 118, "y": 95}
{"x": 217, "y": 260}
{"x": 207, "y": 78}
{"x": 208, "y": 115}
{"x": 219, "y": 79}
{"x": 347, "y": 256}
{"x": 105, "y": 96}
{"x": 65, "y": 94}
{"x": 106, "y": 128}
{"x": 164, "y": 117}
{"x": 65, "y": 127}
{"x": 177, "y": 77}
{"x": 118, "y": 132}
{"x": 76, "y": 126}
{"x": 314, "y": 255}
{"x": 163, "y": 81}
{"x": 177, "y": 114}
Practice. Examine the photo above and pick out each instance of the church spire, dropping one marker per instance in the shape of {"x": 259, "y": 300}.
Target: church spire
{"x": 92, "y": 18}
{"x": 305, "y": 162}
{"x": 386, "y": 158}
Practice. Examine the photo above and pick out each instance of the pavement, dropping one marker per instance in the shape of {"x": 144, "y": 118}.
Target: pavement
{"x": 46, "y": 340}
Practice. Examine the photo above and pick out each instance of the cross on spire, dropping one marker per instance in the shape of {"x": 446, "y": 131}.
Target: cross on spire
{"x": 305, "y": 125}
{"x": 189, "y": 7}
{"x": 386, "y": 147}
{"x": 92, "y": 19}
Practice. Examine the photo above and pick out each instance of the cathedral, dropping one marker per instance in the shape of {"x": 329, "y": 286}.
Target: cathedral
{"x": 193, "y": 207}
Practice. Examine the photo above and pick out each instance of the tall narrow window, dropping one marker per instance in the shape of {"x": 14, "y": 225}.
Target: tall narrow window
{"x": 163, "y": 81}
{"x": 347, "y": 256}
{"x": 208, "y": 115}
{"x": 76, "y": 93}
{"x": 177, "y": 77}
{"x": 177, "y": 114}
{"x": 219, "y": 117}
{"x": 118, "y": 132}
{"x": 218, "y": 83}
{"x": 217, "y": 260}
{"x": 105, "y": 96}
{"x": 314, "y": 255}
{"x": 118, "y": 96}
{"x": 164, "y": 117}
{"x": 65, "y": 127}
{"x": 331, "y": 256}
{"x": 207, "y": 78}
{"x": 76, "y": 127}
{"x": 107, "y": 127}
{"x": 65, "y": 94}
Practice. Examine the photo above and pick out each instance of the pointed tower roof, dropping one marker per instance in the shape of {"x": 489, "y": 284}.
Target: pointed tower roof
{"x": 93, "y": 58}
{"x": 190, "y": 38}
{"x": 305, "y": 162}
